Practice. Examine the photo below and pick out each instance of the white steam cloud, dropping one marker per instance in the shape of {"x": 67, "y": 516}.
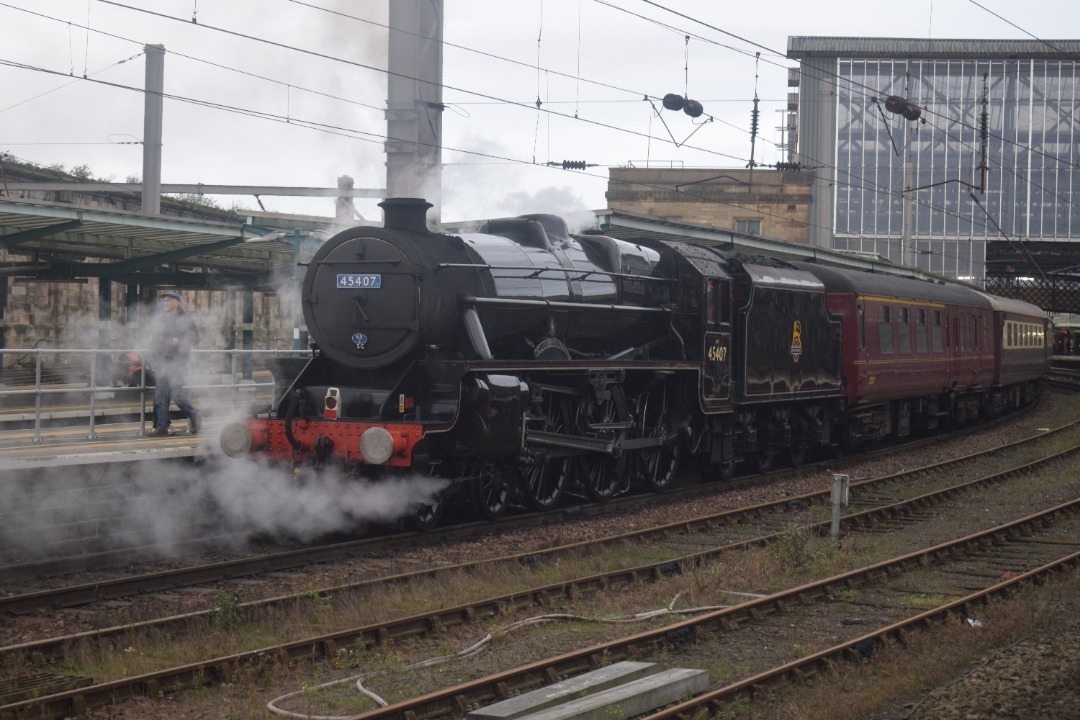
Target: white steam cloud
{"x": 162, "y": 504}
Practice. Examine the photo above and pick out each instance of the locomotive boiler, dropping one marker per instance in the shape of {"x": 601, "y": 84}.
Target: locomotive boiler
{"x": 522, "y": 362}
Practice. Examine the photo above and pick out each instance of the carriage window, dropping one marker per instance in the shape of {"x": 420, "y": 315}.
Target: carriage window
{"x": 904, "y": 330}
{"x": 937, "y": 331}
{"x": 862, "y": 328}
{"x": 920, "y": 331}
{"x": 885, "y": 331}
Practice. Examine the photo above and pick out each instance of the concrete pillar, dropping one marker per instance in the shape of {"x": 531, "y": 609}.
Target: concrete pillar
{"x": 102, "y": 360}
{"x": 817, "y": 143}
{"x": 414, "y": 102}
{"x": 152, "y": 124}
{"x": 248, "y": 337}
{"x": 3, "y": 323}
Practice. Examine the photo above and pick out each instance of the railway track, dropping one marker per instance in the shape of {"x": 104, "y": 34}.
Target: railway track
{"x": 753, "y": 526}
{"x": 92, "y": 543}
{"x": 1063, "y": 378}
{"x": 112, "y": 589}
{"x": 1041, "y": 557}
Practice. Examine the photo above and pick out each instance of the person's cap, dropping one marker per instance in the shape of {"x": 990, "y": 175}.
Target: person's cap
{"x": 171, "y": 294}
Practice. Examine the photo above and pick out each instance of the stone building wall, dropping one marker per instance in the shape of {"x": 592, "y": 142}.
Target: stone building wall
{"x": 64, "y": 315}
{"x": 717, "y": 197}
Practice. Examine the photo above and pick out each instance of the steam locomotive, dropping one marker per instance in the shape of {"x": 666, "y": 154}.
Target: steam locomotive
{"x": 522, "y": 363}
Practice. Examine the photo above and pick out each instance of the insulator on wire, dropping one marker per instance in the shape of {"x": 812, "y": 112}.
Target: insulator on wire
{"x": 895, "y": 104}
{"x": 677, "y": 102}
{"x": 673, "y": 102}
{"x": 900, "y": 106}
{"x": 573, "y": 164}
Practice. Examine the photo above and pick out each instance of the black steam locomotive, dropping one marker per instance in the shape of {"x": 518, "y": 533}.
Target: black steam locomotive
{"x": 521, "y": 362}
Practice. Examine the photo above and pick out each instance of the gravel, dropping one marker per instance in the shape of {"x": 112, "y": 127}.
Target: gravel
{"x": 1035, "y": 678}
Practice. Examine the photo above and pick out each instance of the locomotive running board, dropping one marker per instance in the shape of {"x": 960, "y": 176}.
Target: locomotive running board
{"x": 576, "y": 442}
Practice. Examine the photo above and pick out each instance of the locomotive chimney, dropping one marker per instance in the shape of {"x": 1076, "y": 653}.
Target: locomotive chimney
{"x": 405, "y": 214}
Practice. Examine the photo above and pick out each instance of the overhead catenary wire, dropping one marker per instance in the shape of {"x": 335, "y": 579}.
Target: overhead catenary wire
{"x": 362, "y": 135}
{"x": 836, "y": 79}
{"x": 374, "y": 137}
{"x": 366, "y": 66}
{"x": 313, "y": 125}
{"x": 493, "y": 98}
{"x": 74, "y": 81}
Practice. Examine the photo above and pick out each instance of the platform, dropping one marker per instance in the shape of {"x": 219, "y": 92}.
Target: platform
{"x": 63, "y": 428}
{"x": 113, "y": 442}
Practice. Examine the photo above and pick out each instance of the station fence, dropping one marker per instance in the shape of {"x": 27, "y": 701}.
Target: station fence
{"x": 93, "y": 376}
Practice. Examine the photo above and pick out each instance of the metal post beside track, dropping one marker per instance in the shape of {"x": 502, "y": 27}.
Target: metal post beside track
{"x": 840, "y": 486}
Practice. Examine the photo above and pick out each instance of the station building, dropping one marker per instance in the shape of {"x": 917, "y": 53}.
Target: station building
{"x": 979, "y": 179}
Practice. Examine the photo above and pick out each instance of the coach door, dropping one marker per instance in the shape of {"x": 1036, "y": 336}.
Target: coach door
{"x": 956, "y": 335}
{"x": 716, "y": 365}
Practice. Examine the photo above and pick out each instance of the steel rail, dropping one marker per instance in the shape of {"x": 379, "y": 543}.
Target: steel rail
{"x": 105, "y": 559}
{"x": 53, "y": 647}
{"x": 171, "y": 579}
{"x": 455, "y": 701}
{"x": 222, "y": 669}
{"x": 799, "y": 670}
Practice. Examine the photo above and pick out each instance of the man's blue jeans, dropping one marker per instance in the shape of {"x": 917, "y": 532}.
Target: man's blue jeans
{"x": 170, "y": 388}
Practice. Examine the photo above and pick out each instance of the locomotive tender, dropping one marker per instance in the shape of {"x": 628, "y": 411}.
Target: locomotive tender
{"x": 521, "y": 363}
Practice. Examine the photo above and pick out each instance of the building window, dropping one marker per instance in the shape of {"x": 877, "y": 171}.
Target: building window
{"x": 748, "y": 227}
{"x": 1040, "y": 94}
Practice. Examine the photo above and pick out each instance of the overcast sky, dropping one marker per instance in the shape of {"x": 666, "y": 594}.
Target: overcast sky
{"x": 597, "y": 61}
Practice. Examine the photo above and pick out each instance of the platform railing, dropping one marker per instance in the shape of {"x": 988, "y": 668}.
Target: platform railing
{"x": 94, "y": 374}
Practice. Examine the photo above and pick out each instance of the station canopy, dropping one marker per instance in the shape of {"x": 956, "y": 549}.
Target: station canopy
{"x": 61, "y": 242}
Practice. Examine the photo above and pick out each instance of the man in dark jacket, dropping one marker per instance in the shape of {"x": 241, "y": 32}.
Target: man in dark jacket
{"x": 173, "y": 334}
